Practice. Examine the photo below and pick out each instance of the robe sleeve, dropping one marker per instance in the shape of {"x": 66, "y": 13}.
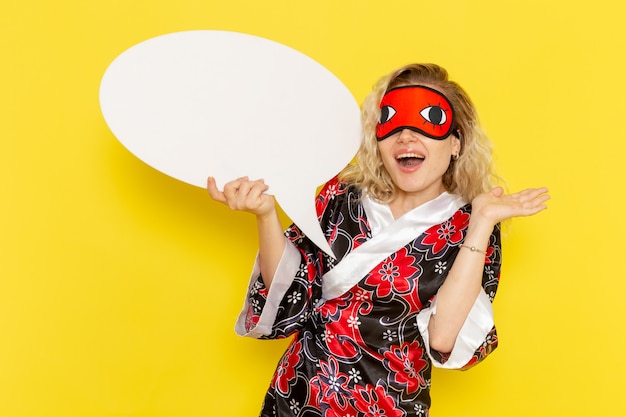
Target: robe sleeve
{"x": 477, "y": 337}
{"x": 262, "y": 307}
{"x": 296, "y": 286}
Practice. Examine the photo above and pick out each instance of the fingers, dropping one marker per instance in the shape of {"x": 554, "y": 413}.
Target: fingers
{"x": 231, "y": 190}
{"x": 496, "y": 206}
{"x": 532, "y": 200}
{"x": 541, "y": 195}
{"x": 529, "y": 194}
{"x": 215, "y": 194}
{"x": 532, "y": 193}
{"x": 534, "y": 196}
{"x": 240, "y": 194}
{"x": 244, "y": 194}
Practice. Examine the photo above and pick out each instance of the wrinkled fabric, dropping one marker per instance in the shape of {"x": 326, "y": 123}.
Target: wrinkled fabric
{"x": 359, "y": 349}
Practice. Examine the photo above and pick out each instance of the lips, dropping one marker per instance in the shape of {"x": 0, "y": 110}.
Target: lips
{"x": 409, "y": 159}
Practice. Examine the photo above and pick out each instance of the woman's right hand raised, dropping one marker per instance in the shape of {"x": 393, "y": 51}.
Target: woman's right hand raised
{"x": 243, "y": 194}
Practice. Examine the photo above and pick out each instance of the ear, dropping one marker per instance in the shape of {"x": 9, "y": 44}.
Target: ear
{"x": 456, "y": 145}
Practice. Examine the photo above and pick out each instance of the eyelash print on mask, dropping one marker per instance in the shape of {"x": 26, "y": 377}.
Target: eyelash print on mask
{"x": 435, "y": 115}
{"x": 413, "y": 107}
{"x": 431, "y": 114}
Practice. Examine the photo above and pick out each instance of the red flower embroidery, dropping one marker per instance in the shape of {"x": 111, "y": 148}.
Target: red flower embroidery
{"x": 447, "y": 232}
{"x": 397, "y": 274}
{"x": 375, "y": 402}
{"x": 406, "y": 364}
{"x": 286, "y": 371}
{"x": 328, "y": 193}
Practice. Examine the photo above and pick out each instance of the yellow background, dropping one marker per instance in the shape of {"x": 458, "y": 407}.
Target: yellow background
{"x": 119, "y": 286}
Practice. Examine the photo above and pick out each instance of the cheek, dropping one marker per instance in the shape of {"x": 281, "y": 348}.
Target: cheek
{"x": 442, "y": 158}
{"x": 387, "y": 164}
{"x": 383, "y": 153}
{"x": 441, "y": 166}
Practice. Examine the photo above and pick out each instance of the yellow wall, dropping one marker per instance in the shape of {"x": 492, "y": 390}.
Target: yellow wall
{"x": 119, "y": 286}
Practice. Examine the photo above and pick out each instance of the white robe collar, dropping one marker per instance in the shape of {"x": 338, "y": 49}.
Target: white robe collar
{"x": 388, "y": 236}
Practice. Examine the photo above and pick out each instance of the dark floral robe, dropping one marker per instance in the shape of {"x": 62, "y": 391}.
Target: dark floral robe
{"x": 359, "y": 321}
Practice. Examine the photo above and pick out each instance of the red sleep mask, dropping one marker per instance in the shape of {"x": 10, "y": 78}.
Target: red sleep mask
{"x": 415, "y": 107}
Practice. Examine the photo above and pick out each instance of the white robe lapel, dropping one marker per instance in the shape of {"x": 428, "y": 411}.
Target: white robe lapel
{"x": 355, "y": 265}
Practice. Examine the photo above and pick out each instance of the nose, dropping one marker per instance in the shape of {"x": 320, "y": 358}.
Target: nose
{"x": 407, "y": 135}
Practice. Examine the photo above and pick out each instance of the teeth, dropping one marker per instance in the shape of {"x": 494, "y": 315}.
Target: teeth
{"x": 409, "y": 155}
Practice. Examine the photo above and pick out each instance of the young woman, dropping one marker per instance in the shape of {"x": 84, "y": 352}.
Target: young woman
{"x": 415, "y": 226}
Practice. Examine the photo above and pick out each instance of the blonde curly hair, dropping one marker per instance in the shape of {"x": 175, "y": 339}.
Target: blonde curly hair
{"x": 469, "y": 175}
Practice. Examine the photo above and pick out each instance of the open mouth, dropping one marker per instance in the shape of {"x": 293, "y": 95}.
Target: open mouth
{"x": 409, "y": 159}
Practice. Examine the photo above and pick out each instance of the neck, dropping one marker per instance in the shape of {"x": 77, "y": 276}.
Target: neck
{"x": 405, "y": 202}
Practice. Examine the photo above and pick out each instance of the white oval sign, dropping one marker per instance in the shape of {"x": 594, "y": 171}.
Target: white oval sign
{"x": 226, "y": 104}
